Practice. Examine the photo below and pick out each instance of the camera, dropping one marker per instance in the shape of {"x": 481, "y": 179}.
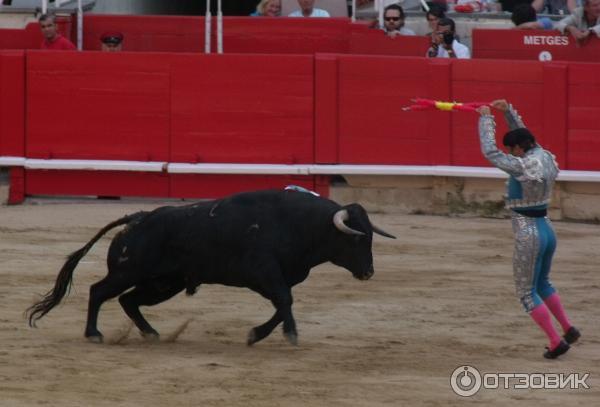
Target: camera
{"x": 448, "y": 38}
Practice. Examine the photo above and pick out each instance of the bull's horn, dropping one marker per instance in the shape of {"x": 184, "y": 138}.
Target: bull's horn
{"x": 382, "y": 232}
{"x": 338, "y": 220}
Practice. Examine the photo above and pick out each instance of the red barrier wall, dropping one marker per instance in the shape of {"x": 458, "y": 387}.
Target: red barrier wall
{"x": 284, "y": 35}
{"x": 12, "y": 103}
{"x": 533, "y": 45}
{"x": 167, "y": 107}
{"x": 114, "y": 106}
{"x": 373, "y": 129}
{"x": 242, "y": 108}
{"x": 368, "y": 41}
{"x": 583, "y": 111}
{"x": 28, "y": 38}
{"x": 330, "y": 108}
{"x": 258, "y": 35}
{"x": 147, "y": 33}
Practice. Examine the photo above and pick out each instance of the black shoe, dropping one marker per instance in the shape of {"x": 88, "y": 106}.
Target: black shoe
{"x": 561, "y": 348}
{"x": 572, "y": 335}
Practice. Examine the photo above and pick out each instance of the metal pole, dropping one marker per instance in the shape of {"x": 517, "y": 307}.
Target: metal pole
{"x": 79, "y": 26}
{"x": 380, "y": 3}
{"x": 207, "y": 17}
{"x": 353, "y": 11}
{"x": 219, "y": 28}
{"x": 44, "y": 6}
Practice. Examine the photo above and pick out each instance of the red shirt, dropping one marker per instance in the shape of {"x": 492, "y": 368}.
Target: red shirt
{"x": 59, "y": 43}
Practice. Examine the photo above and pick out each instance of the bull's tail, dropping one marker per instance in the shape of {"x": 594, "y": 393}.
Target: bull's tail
{"x": 65, "y": 277}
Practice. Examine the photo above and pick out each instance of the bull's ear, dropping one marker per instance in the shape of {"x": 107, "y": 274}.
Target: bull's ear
{"x": 382, "y": 232}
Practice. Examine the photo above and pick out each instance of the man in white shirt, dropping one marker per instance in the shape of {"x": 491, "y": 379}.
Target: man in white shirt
{"x": 307, "y": 9}
{"x": 444, "y": 43}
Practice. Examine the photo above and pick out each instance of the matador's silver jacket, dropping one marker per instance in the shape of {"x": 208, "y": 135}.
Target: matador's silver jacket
{"x": 531, "y": 177}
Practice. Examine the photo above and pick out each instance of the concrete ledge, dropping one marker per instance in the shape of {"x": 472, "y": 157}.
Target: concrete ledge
{"x": 459, "y": 196}
{"x": 4, "y": 186}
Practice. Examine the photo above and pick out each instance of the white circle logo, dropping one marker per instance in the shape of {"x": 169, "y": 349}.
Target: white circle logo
{"x": 465, "y": 381}
{"x": 545, "y": 56}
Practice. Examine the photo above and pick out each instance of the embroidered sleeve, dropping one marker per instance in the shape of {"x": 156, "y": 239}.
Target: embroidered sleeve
{"x": 487, "y": 138}
{"x": 513, "y": 119}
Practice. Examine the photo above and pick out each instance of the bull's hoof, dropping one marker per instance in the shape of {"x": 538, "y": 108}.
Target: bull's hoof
{"x": 252, "y": 337}
{"x": 292, "y": 337}
{"x": 150, "y": 336}
{"x": 95, "y": 338}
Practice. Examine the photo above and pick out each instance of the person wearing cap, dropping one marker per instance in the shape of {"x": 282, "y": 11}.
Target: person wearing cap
{"x": 112, "y": 41}
{"x": 52, "y": 39}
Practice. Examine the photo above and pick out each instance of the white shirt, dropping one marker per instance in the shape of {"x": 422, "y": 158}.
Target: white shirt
{"x": 460, "y": 50}
{"x": 317, "y": 12}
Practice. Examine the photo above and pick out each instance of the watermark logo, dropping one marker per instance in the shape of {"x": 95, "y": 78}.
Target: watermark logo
{"x": 466, "y": 381}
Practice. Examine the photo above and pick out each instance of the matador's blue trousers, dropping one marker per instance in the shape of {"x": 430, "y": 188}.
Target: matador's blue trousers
{"x": 535, "y": 243}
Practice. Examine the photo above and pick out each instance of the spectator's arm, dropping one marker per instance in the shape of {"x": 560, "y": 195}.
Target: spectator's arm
{"x": 531, "y": 25}
{"x": 571, "y": 5}
{"x": 568, "y": 21}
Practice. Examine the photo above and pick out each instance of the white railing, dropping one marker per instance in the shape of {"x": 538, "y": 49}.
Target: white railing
{"x": 277, "y": 169}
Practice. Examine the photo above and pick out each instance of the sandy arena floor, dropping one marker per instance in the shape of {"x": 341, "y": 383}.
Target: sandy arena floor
{"x": 442, "y": 297}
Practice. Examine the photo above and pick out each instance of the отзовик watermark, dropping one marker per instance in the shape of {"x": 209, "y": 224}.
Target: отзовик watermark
{"x": 467, "y": 381}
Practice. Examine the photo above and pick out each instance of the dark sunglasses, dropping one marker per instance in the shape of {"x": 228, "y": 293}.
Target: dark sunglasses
{"x": 392, "y": 18}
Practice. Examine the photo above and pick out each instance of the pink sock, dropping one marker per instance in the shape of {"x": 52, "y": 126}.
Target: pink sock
{"x": 542, "y": 317}
{"x": 554, "y": 305}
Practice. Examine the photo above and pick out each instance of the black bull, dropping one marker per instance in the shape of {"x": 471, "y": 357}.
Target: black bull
{"x": 267, "y": 241}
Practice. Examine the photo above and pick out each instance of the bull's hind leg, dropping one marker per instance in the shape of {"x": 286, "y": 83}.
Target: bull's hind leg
{"x": 105, "y": 289}
{"x": 150, "y": 293}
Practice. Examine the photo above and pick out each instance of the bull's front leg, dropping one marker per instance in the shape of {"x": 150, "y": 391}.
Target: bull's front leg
{"x": 260, "y": 332}
{"x": 281, "y": 297}
{"x": 283, "y": 302}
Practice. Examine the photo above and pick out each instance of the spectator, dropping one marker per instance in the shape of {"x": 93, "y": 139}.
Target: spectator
{"x": 52, "y": 39}
{"x": 583, "y": 21}
{"x": 558, "y": 7}
{"x": 436, "y": 11}
{"x": 393, "y": 21}
{"x": 525, "y": 18}
{"x": 444, "y": 43}
{"x": 112, "y": 41}
{"x": 307, "y": 9}
{"x": 268, "y": 8}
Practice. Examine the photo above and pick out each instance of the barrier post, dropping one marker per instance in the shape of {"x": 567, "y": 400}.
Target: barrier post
{"x": 16, "y": 192}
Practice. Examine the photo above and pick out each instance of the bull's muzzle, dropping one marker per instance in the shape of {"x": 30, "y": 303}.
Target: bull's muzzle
{"x": 365, "y": 276}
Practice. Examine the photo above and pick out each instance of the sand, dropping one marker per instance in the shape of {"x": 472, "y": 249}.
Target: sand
{"x": 442, "y": 296}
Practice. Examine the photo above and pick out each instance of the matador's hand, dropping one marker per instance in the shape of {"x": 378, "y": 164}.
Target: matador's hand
{"x": 500, "y": 104}
{"x": 484, "y": 110}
